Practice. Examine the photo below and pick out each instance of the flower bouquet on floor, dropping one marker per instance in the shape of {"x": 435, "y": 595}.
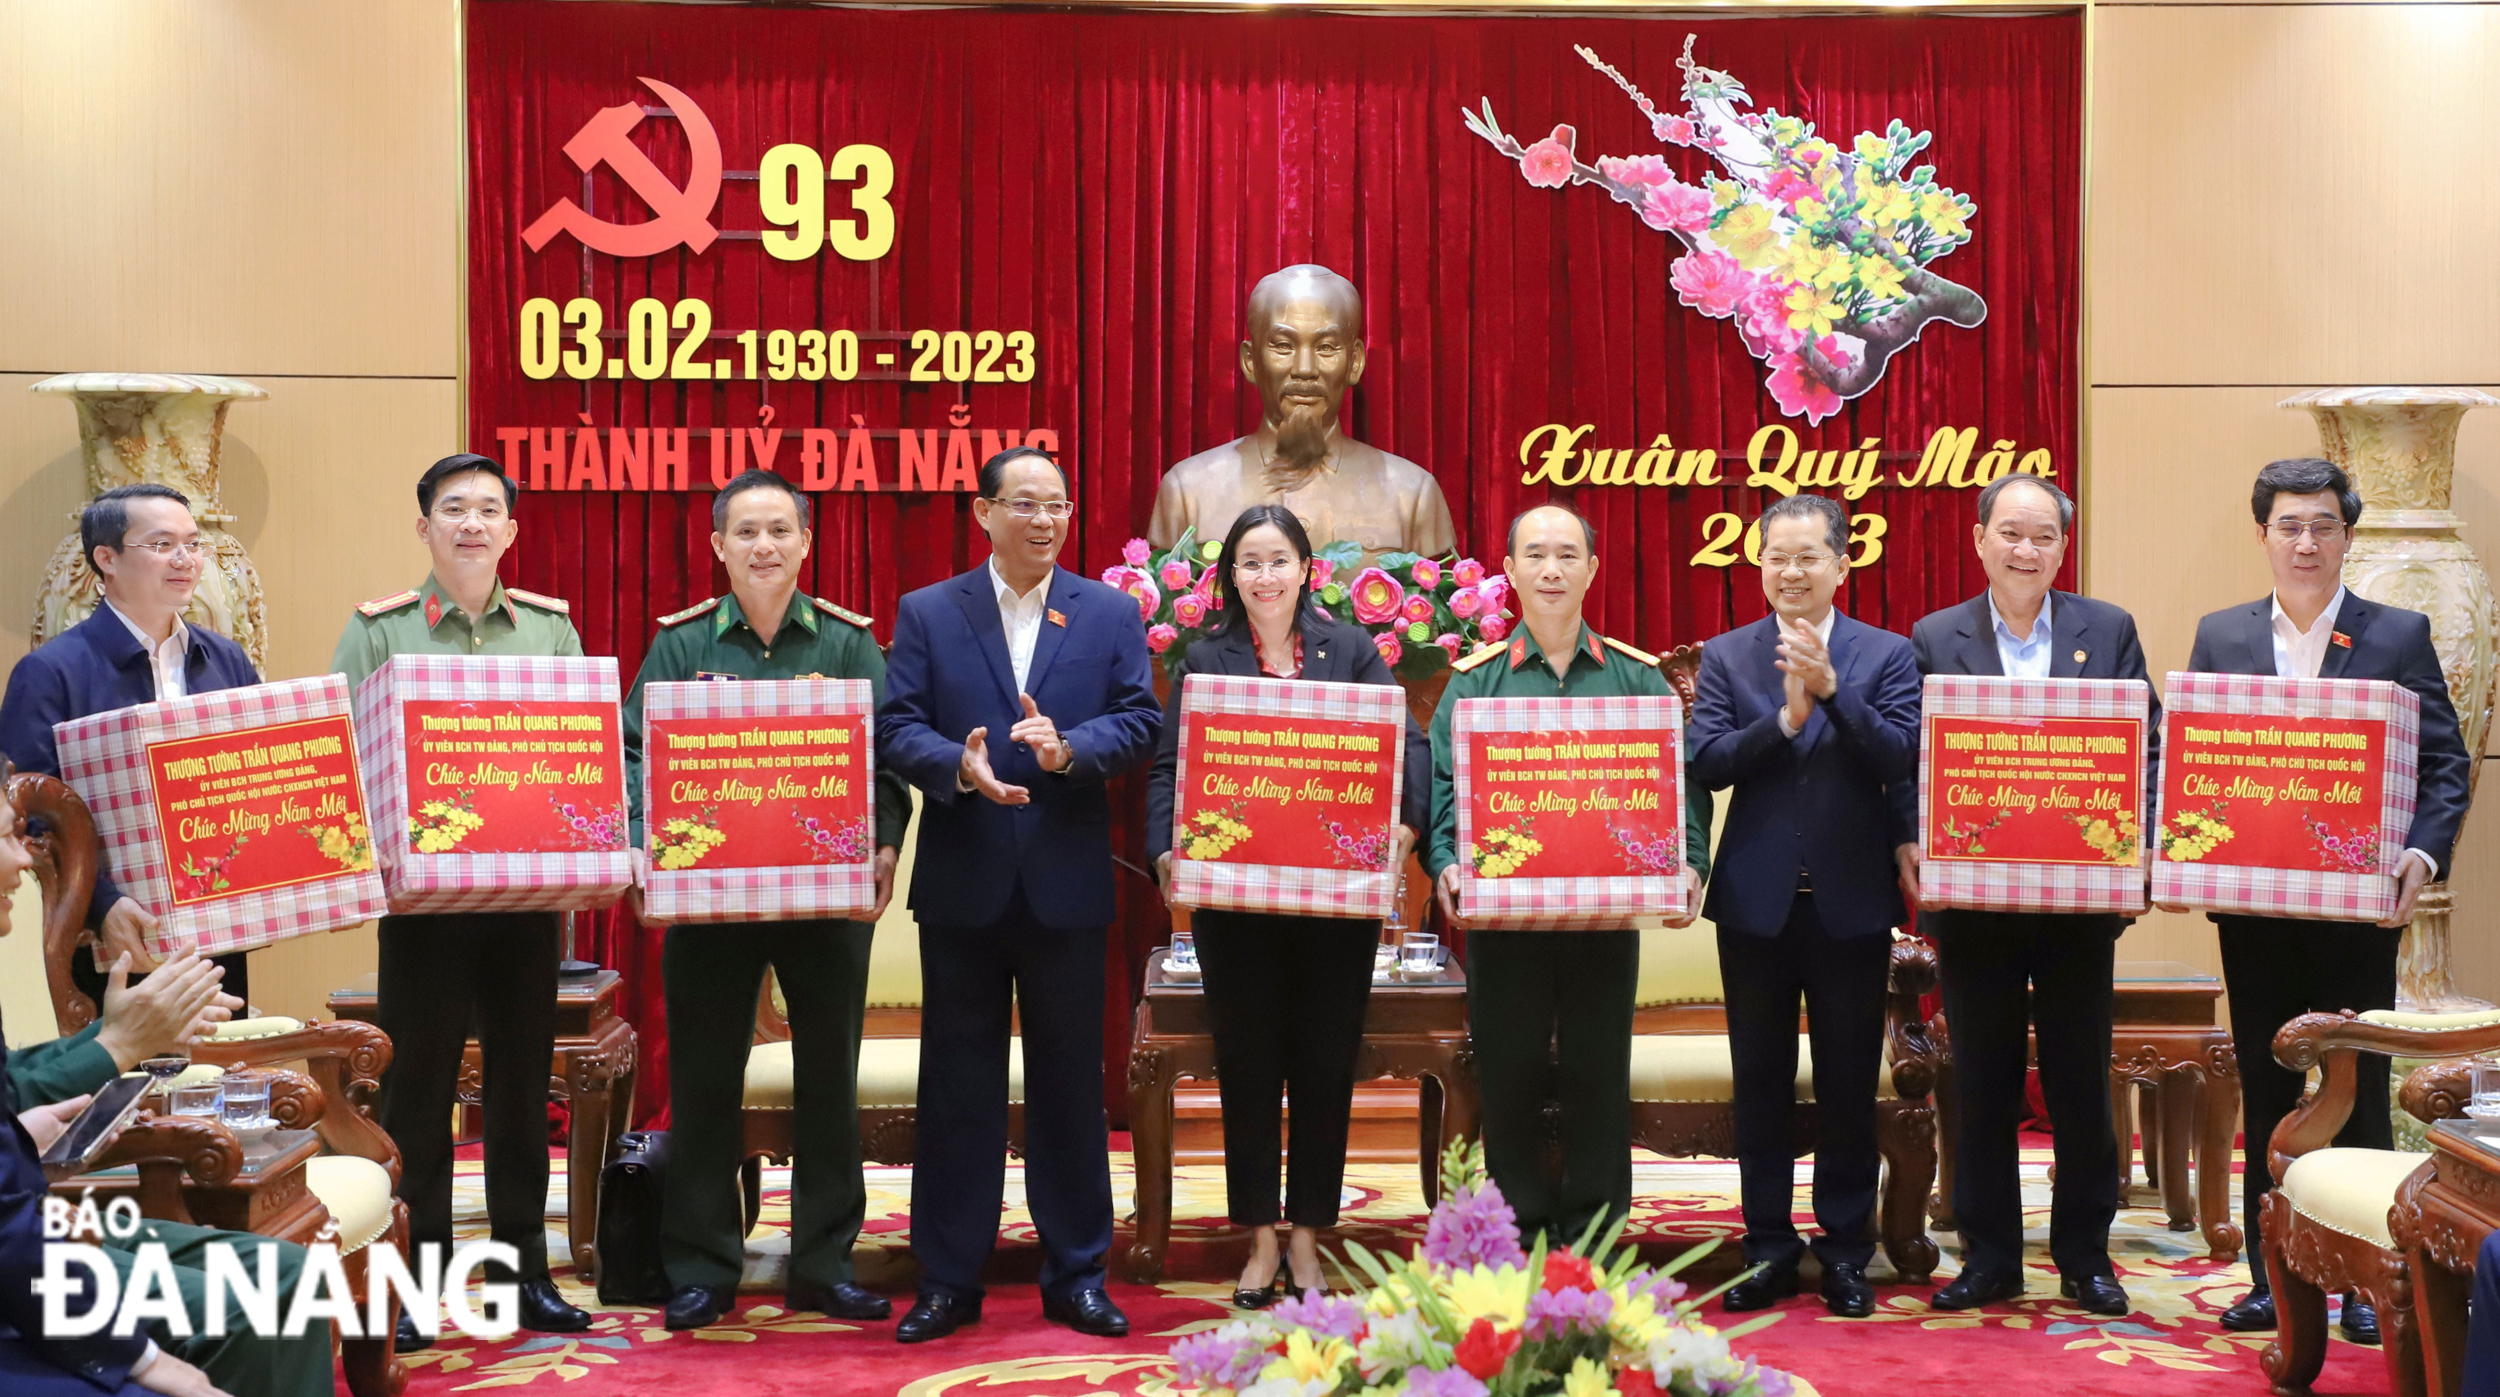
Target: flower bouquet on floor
{"x": 1420, "y": 612}
{"x": 1471, "y": 1315}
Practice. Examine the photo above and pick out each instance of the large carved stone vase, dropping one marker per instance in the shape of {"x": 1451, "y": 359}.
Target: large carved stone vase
{"x": 163, "y": 429}
{"x": 2399, "y": 445}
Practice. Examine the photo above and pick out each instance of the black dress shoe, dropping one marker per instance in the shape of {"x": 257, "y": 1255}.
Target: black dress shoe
{"x": 407, "y": 1339}
{"x": 1976, "y": 1287}
{"x": 2099, "y": 1295}
{"x": 934, "y": 1316}
{"x": 1761, "y": 1290}
{"x": 1248, "y": 1299}
{"x": 2360, "y": 1320}
{"x": 1087, "y": 1312}
{"x": 695, "y": 1306}
{"x": 843, "y": 1301}
{"x": 1846, "y": 1292}
{"x": 2254, "y": 1312}
{"x": 544, "y": 1310}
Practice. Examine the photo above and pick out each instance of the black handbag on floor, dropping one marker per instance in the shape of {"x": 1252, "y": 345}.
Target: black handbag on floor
{"x": 630, "y": 1271}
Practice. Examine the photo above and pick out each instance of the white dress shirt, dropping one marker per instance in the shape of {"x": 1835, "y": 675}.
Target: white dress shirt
{"x": 1824, "y": 630}
{"x": 2022, "y": 658}
{"x": 1022, "y": 616}
{"x": 166, "y": 659}
{"x": 2300, "y": 654}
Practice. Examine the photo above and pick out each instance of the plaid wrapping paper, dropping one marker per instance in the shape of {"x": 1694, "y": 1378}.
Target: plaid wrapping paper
{"x": 1564, "y": 904}
{"x": 2289, "y": 892}
{"x": 458, "y": 882}
{"x": 1259, "y": 887}
{"x": 2028, "y": 887}
{"x": 785, "y": 893}
{"x": 104, "y": 758}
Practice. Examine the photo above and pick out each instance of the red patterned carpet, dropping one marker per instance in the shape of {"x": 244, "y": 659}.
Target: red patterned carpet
{"x": 2170, "y": 1345}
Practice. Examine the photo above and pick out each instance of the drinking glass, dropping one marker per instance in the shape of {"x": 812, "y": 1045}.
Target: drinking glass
{"x": 1419, "y": 953}
{"x": 2486, "y": 1102}
{"x": 1184, "y": 951}
{"x": 246, "y": 1103}
{"x": 161, "y": 1070}
{"x": 198, "y": 1099}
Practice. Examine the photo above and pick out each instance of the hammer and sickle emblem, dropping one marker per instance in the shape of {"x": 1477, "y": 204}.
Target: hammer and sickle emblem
{"x": 677, "y": 215}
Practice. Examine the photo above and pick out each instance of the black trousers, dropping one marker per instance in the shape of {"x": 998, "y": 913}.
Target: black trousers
{"x": 971, "y": 978}
{"x": 1841, "y": 979}
{"x": 1550, "y": 1017}
{"x": 2004, "y": 974}
{"x": 1285, "y": 997}
{"x": 2276, "y": 969}
{"x": 442, "y": 974}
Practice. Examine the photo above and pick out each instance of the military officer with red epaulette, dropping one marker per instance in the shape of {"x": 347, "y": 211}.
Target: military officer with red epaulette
{"x": 439, "y": 968}
{"x": 766, "y": 628}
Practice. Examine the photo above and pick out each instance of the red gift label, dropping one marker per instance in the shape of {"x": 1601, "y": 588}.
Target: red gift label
{"x": 513, "y": 777}
{"x": 1287, "y": 792}
{"x": 259, "y": 808}
{"x": 2035, "y": 790}
{"x": 1573, "y": 803}
{"x": 759, "y": 792}
{"x": 2273, "y": 792}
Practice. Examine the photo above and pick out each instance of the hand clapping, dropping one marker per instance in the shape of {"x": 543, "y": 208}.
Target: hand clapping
{"x": 1035, "y": 730}
{"x": 1806, "y": 664}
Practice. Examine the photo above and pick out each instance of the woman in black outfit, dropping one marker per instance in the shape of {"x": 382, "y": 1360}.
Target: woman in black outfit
{"x": 1285, "y": 994}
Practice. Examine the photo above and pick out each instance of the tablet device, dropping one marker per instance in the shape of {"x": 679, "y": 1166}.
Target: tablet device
{"x": 115, "y": 1102}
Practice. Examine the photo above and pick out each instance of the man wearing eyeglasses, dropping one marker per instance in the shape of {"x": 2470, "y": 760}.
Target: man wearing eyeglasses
{"x": 441, "y": 972}
{"x": 137, "y": 648}
{"x": 1812, "y": 718}
{"x": 2277, "y": 968}
{"x": 1014, "y": 693}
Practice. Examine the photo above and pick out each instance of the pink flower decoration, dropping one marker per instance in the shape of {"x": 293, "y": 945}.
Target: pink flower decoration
{"x": 1387, "y": 644}
{"x": 1447, "y": 642}
{"x": 1495, "y": 591}
{"x": 1321, "y": 570}
{"x": 1175, "y": 574}
{"x": 1493, "y": 628}
{"x": 1468, "y": 573}
{"x": 1160, "y": 638}
{"x": 1547, "y": 164}
{"x": 1466, "y": 602}
{"x": 1417, "y": 611}
{"x": 1376, "y": 596}
{"x": 1683, "y": 207}
{"x": 1206, "y": 584}
{"x": 1764, "y": 321}
{"x": 1135, "y": 552}
{"x": 1137, "y": 584}
{"x": 1640, "y": 171}
{"x": 1189, "y": 610}
{"x": 1798, "y": 392}
{"x": 1790, "y": 188}
{"x": 1676, "y": 130}
{"x": 1427, "y": 574}
{"x": 1710, "y": 282}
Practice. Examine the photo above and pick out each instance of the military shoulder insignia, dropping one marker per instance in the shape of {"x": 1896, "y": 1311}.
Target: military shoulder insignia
{"x": 1632, "y": 652}
{"x": 840, "y": 612}
{"x": 558, "y": 605}
{"x": 383, "y": 605}
{"x": 680, "y": 617}
{"x": 1483, "y": 653}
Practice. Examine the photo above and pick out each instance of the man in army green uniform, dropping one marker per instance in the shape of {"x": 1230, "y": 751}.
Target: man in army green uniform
{"x": 1552, "y": 1007}
{"x": 437, "y": 969}
{"x": 765, "y": 629}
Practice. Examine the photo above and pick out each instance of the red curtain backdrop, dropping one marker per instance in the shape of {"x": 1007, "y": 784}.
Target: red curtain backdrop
{"x": 1115, "y": 182}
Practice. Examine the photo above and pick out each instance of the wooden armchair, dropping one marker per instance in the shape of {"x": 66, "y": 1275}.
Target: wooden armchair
{"x": 188, "y": 1169}
{"x": 2331, "y": 1221}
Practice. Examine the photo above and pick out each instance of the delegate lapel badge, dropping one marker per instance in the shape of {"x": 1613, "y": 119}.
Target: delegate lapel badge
{"x": 2078, "y": 657}
{"x": 2341, "y": 639}
{"x": 1057, "y": 618}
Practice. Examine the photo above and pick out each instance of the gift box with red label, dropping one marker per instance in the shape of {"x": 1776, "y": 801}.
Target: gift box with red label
{"x": 498, "y": 782}
{"x": 1286, "y": 797}
{"x": 2285, "y": 797}
{"x": 1570, "y": 811}
{"x": 758, "y": 800}
{"x": 2031, "y": 793}
{"x": 238, "y": 817}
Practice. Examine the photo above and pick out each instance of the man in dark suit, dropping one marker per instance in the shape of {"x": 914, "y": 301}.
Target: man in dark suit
{"x": 2009, "y": 973}
{"x": 1013, "y": 694}
{"x": 145, "y": 546}
{"x": 1813, "y": 718}
{"x": 2277, "y": 968}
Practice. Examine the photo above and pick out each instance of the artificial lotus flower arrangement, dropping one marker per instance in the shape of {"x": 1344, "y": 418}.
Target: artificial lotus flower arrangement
{"x": 1471, "y": 1315}
{"x": 1421, "y": 612}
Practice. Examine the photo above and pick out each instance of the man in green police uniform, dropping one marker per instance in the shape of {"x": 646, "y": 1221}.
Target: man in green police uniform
{"x": 438, "y": 969}
{"x": 765, "y": 629}
{"x": 1539, "y": 1000}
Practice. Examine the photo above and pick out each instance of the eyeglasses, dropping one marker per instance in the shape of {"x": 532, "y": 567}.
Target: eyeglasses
{"x": 454, "y": 516}
{"x": 1273, "y": 567}
{"x": 1802, "y": 562}
{"x": 1026, "y": 509}
{"x": 166, "y": 548}
{"x": 2323, "y": 530}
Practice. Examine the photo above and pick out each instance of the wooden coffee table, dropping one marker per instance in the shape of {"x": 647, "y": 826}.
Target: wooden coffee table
{"x": 592, "y": 1072}
{"x": 1414, "y": 1029}
{"x": 264, "y": 1194}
